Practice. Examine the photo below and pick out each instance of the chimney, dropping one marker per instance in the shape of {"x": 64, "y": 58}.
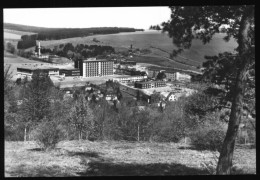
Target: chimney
{"x": 39, "y": 49}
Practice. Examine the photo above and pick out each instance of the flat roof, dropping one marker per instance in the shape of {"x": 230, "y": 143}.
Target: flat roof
{"x": 147, "y": 82}
{"x": 35, "y": 68}
{"x": 127, "y": 76}
{"x": 97, "y": 60}
{"x": 70, "y": 69}
{"x": 130, "y": 61}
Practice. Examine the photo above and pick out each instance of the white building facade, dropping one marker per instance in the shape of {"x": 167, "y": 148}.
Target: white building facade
{"x": 129, "y": 79}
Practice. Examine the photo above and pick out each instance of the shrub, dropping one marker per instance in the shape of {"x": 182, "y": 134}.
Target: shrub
{"x": 48, "y": 134}
{"x": 208, "y": 137}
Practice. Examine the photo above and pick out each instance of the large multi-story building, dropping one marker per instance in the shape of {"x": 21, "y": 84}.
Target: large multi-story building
{"x": 126, "y": 79}
{"x": 93, "y": 67}
{"x": 28, "y": 71}
{"x": 150, "y": 84}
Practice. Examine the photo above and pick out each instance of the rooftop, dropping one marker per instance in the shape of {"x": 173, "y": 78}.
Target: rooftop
{"x": 147, "y": 82}
{"x": 127, "y": 76}
{"x": 69, "y": 69}
{"x": 95, "y": 60}
{"x": 40, "y": 68}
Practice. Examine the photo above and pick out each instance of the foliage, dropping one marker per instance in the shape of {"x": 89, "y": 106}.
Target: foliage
{"x": 155, "y": 27}
{"x": 81, "y": 117}
{"x": 202, "y": 22}
{"x": 197, "y": 106}
{"x": 25, "y": 54}
{"x": 48, "y": 134}
{"x": 209, "y": 135}
{"x": 170, "y": 125}
{"x": 36, "y": 101}
{"x": 155, "y": 97}
{"x": 79, "y": 51}
{"x": 161, "y": 75}
{"x": 10, "y": 48}
{"x": 56, "y": 34}
{"x": 7, "y": 79}
{"x": 24, "y": 44}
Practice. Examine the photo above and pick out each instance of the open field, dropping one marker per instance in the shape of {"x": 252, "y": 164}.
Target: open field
{"x": 8, "y": 35}
{"x": 85, "y": 158}
{"x": 11, "y": 58}
{"x": 12, "y": 34}
{"x": 161, "y": 61}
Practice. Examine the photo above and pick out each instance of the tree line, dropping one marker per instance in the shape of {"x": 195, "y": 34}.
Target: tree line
{"x": 63, "y": 33}
{"x": 155, "y": 27}
{"x": 79, "y": 51}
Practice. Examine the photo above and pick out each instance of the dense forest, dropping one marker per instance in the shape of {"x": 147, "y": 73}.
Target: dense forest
{"x": 79, "y": 51}
{"x": 26, "y": 44}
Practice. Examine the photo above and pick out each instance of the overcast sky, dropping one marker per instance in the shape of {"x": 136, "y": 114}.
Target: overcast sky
{"x": 135, "y": 17}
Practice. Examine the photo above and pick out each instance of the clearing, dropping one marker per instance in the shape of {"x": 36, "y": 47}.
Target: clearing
{"x": 86, "y": 158}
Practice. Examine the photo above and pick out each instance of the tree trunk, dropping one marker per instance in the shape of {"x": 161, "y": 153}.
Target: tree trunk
{"x": 138, "y": 138}
{"x": 79, "y": 135}
{"x": 25, "y": 134}
{"x": 226, "y": 154}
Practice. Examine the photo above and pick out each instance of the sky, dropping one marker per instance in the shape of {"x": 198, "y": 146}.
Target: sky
{"x": 134, "y": 17}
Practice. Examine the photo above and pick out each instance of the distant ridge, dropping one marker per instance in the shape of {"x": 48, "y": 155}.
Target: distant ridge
{"x": 36, "y": 29}
{"x": 63, "y": 33}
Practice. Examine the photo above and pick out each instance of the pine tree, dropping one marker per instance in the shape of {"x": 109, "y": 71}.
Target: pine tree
{"x": 202, "y": 23}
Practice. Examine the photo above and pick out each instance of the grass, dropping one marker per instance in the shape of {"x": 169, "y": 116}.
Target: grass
{"x": 8, "y": 35}
{"x": 16, "y": 35}
{"x": 86, "y": 158}
{"x": 160, "y": 61}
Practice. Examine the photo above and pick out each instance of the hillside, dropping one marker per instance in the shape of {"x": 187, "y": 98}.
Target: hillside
{"x": 13, "y": 34}
{"x": 61, "y": 33}
{"x": 159, "y": 44}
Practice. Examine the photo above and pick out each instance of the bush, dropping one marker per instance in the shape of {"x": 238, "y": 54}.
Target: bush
{"x": 48, "y": 134}
{"x": 208, "y": 138}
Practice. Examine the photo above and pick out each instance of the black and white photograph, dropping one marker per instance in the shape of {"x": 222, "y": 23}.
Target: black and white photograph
{"x": 129, "y": 91}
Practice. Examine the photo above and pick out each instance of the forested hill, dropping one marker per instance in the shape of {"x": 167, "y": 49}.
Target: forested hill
{"x": 63, "y": 33}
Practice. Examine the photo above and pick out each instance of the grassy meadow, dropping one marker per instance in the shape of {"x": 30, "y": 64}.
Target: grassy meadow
{"x": 86, "y": 158}
{"x": 8, "y": 35}
{"x": 13, "y": 34}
